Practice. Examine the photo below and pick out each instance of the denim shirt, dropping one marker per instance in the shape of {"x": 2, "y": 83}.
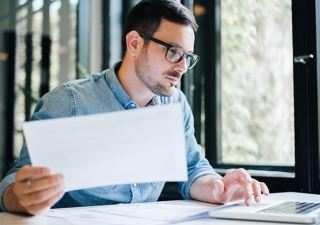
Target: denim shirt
{"x": 102, "y": 93}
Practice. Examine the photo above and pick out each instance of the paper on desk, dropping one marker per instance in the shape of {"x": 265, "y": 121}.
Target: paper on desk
{"x": 131, "y": 146}
{"x": 138, "y": 213}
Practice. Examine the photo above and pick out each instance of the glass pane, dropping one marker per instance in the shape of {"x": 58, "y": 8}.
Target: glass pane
{"x": 55, "y": 38}
{"x": 257, "y": 82}
{"x": 37, "y": 4}
{"x": 30, "y": 21}
{"x": 20, "y": 78}
{"x": 63, "y": 22}
{"x": 22, "y": 2}
{"x": 37, "y": 24}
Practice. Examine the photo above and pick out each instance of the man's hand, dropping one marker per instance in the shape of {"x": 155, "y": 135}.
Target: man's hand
{"x": 35, "y": 191}
{"x": 235, "y": 185}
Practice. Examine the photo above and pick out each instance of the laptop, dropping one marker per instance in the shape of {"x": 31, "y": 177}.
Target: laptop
{"x": 273, "y": 211}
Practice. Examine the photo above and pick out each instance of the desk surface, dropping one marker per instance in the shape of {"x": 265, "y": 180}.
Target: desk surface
{"x": 10, "y": 219}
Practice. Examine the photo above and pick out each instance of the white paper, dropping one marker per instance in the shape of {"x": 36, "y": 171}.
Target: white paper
{"x": 139, "y": 213}
{"x": 130, "y": 146}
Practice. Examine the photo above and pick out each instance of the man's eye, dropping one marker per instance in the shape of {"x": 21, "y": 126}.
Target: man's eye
{"x": 173, "y": 50}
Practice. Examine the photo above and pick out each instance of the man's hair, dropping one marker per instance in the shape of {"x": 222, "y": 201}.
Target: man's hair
{"x": 145, "y": 17}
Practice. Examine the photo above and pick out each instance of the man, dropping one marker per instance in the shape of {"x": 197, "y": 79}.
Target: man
{"x": 158, "y": 39}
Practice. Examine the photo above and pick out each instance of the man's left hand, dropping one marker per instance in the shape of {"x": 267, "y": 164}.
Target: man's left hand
{"x": 235, "y": 185}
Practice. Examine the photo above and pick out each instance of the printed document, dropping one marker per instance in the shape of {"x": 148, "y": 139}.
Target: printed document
{"x": 139, "y": 213}
{"x": 124, "y": 147}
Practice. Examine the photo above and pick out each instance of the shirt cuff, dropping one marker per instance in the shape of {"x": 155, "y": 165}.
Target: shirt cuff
{"x": 3, "y": 185}
{"x": 185, "y": 192}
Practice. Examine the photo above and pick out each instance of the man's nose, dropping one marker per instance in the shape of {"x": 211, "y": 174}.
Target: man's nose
{"x": 181, "y": 66}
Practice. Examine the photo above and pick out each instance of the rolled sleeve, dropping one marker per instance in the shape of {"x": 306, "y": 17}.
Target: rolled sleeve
{"x": 198, "y": 165}
{"x": 9, "y": 179}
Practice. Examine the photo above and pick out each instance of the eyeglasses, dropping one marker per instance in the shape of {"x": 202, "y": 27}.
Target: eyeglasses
{"x": 174, "y": 53}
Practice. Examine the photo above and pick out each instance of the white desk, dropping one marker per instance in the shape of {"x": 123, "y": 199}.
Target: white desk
{"x": 13, "y": 219}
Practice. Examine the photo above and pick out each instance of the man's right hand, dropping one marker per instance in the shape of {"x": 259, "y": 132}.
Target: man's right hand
{"x": 34, "y": 192}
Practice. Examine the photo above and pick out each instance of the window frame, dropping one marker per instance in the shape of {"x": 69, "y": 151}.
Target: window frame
{"x": 305, "y": 172}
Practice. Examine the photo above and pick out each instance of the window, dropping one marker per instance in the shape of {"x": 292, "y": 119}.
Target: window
{"x": 36, "y": 57}
{"x": 259, "y": 108}
{"x": 257, "y": 125}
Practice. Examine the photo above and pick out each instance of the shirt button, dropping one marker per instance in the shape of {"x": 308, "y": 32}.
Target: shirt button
{"x": 134, "y": 185}
{"x": 133, "y": 105}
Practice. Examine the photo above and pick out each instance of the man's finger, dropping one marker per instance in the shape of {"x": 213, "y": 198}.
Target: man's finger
{"x": 40, "y": 197}
{"x": 43, "y": 183}
{"x": 264, "y": 188}
{"x": 218, "y": 191}
{"x": 256, "y": 190}
{"x": 235, "y": 177}
{"x": 45, "y": 206}
{"x": 247, "y": 191}
{"x": 38, "y": 184}
{"x": 28, "y": 172}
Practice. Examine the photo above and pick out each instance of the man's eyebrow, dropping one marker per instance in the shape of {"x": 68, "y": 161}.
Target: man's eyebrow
{"x": 176, "y": 45}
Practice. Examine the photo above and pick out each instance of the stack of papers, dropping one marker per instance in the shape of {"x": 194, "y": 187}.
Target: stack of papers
{"x": 140, "y": 213}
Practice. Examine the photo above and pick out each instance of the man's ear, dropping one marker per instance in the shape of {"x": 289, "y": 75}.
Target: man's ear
{"x": 134, "y": 43}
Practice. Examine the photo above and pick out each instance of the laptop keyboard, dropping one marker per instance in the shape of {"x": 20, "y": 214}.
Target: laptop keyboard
{"x": 292, "y": 207}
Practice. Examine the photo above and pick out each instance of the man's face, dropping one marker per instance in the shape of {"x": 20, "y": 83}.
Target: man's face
{"x": 151, "y": 67}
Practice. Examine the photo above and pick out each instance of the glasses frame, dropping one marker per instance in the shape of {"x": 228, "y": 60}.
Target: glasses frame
{"x": 168, "y": 46}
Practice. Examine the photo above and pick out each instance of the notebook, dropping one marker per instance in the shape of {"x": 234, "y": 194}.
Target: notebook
{"x": 272, "y": 210}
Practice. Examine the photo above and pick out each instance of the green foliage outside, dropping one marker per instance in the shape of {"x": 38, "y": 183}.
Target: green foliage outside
{"x": 257, "y": 82}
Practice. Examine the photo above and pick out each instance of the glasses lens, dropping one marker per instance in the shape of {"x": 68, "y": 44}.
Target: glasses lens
{"x": 189, "y": 60}
{"x": 174, "y": 54}
{"x": 192, "y": 61}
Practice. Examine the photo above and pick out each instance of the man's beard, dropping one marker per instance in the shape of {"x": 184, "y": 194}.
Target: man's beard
{"x": 142, "y": 69}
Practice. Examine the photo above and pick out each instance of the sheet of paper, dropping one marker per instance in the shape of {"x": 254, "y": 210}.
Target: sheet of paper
{"x": 131, "y": 146}
{"x": 87, "y": 216}
{"x": 139, "y": 213}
